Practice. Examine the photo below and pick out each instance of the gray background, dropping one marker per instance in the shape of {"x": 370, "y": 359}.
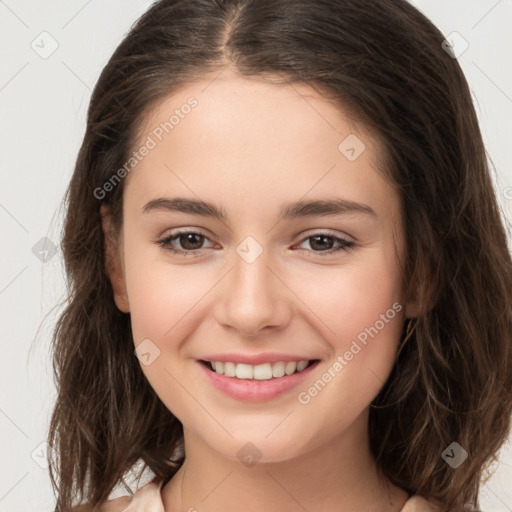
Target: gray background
{"x": 43, "y": 105}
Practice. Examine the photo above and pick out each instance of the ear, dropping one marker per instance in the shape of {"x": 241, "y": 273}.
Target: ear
{"x": 113, "y": 261}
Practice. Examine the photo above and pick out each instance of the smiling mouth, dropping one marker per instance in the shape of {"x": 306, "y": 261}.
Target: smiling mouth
{"x": 265, "y": 371}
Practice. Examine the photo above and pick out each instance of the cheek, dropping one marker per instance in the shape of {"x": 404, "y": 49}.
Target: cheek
{"x": 363, "y": 352}
{"x": 162, "y": 296}
{"x": 349, "y": 300}
{"x": 359, "y": 312}
{"x": 162, "y": 299}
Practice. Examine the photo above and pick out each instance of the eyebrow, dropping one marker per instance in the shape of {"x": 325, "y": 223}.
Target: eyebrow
{"x": 296, "y": 209}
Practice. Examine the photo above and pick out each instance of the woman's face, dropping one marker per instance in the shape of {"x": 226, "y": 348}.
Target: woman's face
{"x": 302, "y": 266}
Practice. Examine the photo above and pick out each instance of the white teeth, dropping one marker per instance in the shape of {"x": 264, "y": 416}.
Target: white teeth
{"x": 290, "y": 368}
{"x": 229, "y": 369}
{"x": 244, "y": 371}
{"x": 265, "y": 371}
{"x": 301, "y": 365}
{"x": 278, "y": 369}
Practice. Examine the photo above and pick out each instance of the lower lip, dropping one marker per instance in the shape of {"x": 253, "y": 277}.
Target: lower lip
{"x": 256, "y": 390}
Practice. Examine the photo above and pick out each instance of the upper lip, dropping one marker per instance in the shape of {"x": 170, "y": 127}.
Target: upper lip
{"x": 255, "y": 359}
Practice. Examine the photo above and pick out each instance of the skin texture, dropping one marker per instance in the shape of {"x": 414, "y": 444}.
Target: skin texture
{"x": 250, "y": 146}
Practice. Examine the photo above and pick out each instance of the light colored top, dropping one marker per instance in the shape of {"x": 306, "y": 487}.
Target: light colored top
{"x": 149, "y": 499}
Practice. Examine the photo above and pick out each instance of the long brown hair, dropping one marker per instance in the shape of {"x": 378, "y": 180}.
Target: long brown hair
{"x": 384, "y": 62}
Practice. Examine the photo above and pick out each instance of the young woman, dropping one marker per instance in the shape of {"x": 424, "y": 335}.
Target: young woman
{"x": 290, "y": 287}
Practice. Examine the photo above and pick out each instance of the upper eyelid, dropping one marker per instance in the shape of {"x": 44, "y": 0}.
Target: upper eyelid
{"x": 304, "y": 236}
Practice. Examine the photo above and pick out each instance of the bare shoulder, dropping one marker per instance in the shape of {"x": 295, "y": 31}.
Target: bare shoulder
{"x": 146, "y": 497}
{"x": 419, "y": 504}
{"x": 116, "y": 505}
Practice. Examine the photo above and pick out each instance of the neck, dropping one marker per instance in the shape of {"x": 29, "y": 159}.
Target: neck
{"x": 339, "y": 476}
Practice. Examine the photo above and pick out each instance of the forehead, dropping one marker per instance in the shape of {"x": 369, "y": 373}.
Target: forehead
{"x": 256, "y": 139}
{"x": 252, "y": 106}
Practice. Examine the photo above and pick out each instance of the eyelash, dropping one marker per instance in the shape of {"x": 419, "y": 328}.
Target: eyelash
{"x": 165, "y": 243}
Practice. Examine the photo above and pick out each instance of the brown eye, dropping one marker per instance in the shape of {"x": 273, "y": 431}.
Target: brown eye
{"x": 323, "y": 243}
{"x": 183, "y": 242}
{"x": 190, "y": 241}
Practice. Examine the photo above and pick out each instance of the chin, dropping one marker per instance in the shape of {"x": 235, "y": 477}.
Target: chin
{"x": 251, "y": 449}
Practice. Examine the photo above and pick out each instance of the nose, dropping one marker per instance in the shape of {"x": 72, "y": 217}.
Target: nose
{"x": 253, "y": 298}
